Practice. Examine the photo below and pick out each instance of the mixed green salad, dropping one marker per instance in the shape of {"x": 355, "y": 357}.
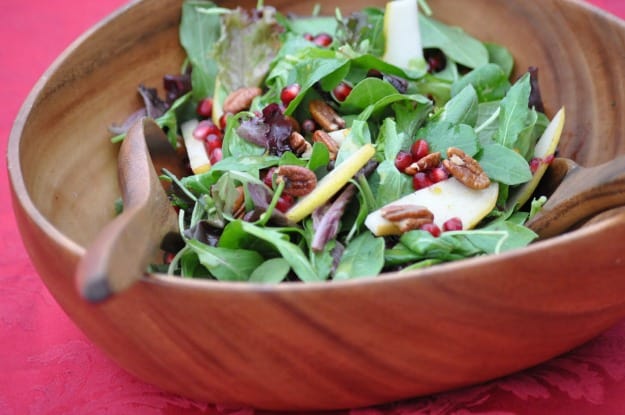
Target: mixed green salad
{"x": 338, "y": 147}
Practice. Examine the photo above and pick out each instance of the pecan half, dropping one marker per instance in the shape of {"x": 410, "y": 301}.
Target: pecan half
{"x": 324, "y": 138}
{"x": 465, "y": 169}
{"x": 407, "y": 217}
{"x": 241, "y": 99}
{"x": 325, "y": 116}
{"x": 424, "y": 163}
{"x": 298, "y": 180}
{"x": 298, "y": 143}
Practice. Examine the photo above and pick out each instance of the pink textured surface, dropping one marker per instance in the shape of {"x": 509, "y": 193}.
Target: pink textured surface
{"x": 47, "y": 366}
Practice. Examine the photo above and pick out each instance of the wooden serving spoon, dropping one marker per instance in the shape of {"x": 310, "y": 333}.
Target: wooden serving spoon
{"x": 577, "y": 193}
{"x": 122, "y": 251}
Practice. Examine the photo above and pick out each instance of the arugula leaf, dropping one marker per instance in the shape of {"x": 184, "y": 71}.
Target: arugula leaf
{"x": 199, "y": 31}
{"x": 514, "y": 113}
{"x": 226, "y": 264}
{"x": 453, "y": 41}
{"x": 487, "y": 121}
{"x": 363, "y": 257}
{"x": 462, "y": 108}
{"x": 238, "y": 233}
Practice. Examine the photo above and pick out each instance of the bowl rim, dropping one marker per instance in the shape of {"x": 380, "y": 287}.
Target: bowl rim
{"x": 21, "y": 197}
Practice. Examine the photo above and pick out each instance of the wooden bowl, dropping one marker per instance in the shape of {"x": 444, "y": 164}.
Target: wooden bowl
{"x": 329, "y": 345}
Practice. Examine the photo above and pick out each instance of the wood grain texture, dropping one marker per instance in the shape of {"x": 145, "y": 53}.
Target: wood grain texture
{"x": 337, "y": 345}
{"x": 580, "y": 193}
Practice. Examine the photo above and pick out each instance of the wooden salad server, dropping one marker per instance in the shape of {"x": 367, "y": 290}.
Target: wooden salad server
{"x": 124, "y": 248}
{"x": 577, "y": 193}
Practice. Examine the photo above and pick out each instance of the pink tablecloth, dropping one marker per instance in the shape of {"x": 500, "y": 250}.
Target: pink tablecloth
{"x": 47, "y": 366}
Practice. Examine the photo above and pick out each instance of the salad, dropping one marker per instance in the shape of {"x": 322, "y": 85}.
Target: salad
{"x": 338, "y": 147}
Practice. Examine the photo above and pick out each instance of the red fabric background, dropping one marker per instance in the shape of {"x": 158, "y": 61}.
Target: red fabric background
{"x": 47, "y": 366}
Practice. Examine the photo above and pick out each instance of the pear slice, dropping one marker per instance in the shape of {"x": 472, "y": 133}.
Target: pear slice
{"x": 402, "y": 36}
{"x": 339, "y": 135}
{"x": 446, "y": 200}
{"x": 545, "y": 147}
{"x": 196, "y": 151}
{"x": 331, "y": 183}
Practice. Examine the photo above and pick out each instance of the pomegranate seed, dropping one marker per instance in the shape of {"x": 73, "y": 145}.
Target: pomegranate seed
{"x": 168, "y": 257}
{"x": 432, "y": 228}
{"x": 419, "y": 149}
{"x": 268, "y": 178}
{"x": 205, "y": 108}
{"x": 309, "y": 37}
{"x": 436, "y": 60}
{"x": 308, "y": 126}
{"x": 537, "y": 161}
{"x": 323, "y": 40}
{"x": 289, "y": 93}
{"x": 216, "y": 156}
{"x": 453, "y": 224}
{"x": 421, "y": 181}
{"x": 535, "y": 164}
{"x": 403, "y": 160}
{"x": 212, "y": 142}
{"x": 284, "y": 203}
{"x": 438, "y": 174}
{"x": 204, "y": 129}
{"x": 374, "y": 73}
{"x": 223, "y": 120}
{"x": 341, "y": 92}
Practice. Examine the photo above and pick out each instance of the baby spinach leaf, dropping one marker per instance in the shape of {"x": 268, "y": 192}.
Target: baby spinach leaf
{"x": 462, "y": 108}
{"x": 289, "y": 251}
{"x": 199, "y": 31}
{"x": 526, "y": 140}
{"x": 272, "y": 271}
{"x": 501, "y": 56}
{"x": 366, "y": 92}
{"x": 453, "y": 41}
{"x": 490, "y": 82}
{"x": 226, "y": 264}
{"x": 514, "y": 112}
{"x": 319, "y": 158}
{"x": 410, "y": 116}
{"x": 363, "y": 257}
{"x": 504, "y": 165}
{"x": 441, "y": 135}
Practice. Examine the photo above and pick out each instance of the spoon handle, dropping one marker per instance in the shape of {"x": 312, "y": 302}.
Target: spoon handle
{"x": 583, "y": 192}
{"x": 121, "y": 253}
